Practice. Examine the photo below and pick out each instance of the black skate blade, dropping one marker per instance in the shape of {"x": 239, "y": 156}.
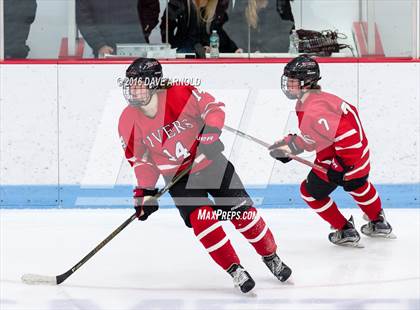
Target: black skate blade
{"x": 351, "y": 244}
{"x": 251, "y": 293}
{"x": 246, "y": 288}
{"x": 289, "y": 281}
{"x": 391, "y": 235}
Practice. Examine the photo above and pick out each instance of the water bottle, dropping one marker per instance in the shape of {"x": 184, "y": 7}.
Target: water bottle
{"x": 214, "y": 44}
{"x": 294, "y": 42}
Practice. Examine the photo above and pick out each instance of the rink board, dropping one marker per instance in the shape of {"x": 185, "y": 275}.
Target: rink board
{"x": 59, "y": 136}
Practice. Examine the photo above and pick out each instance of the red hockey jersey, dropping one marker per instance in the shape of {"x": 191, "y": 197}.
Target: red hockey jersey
{"x": 332, "y": 127}
{"x": 160, "y": 145}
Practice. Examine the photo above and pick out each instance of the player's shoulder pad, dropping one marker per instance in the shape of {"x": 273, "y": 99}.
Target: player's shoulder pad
{"x": 316, "y": 105}
{"x": 324, "y": 102}
{"x": 180, "y": 92}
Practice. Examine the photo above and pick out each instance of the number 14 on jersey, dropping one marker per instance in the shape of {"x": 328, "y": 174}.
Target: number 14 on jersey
{"x": 180, "y": 151}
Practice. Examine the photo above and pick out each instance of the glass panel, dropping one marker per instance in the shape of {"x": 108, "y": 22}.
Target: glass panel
{"x": 191, "y": 24}
{"x": 39, "y": 29}
{"x": 108, "y": 26}
{"x": 271, "y": 22}
{"x": 236, "y": 26}
{"x": 394, "y": 27}
{"x": 387, "y": 28}
{"x": 334, "y": 26}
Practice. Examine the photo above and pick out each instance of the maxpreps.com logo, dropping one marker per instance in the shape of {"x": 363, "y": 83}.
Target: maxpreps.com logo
{"x": 224, "y": 215}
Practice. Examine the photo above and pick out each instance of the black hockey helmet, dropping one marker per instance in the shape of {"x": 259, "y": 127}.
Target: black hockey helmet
{"x": 143, "y": 68}
{"x": 146, "y": 72}
{"x": 303, "y": 68}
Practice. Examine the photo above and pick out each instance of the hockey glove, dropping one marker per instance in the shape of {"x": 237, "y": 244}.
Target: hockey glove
{"x": 209, "y": 142}
{"x": 280, "y": 154}
{"x": 144, "y": 203}
{"x": 336, "y": 172}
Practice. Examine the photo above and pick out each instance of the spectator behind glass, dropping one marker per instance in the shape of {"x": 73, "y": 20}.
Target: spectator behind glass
{"x": 270, "y": 22}
{"x": 104, "y": 23}
{"x": 285, "y": 11}
{"x": 18, "y": 17}
{"x": 192, "y": 21}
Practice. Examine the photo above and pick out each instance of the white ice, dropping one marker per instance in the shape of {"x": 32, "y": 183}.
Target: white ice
{"x": 159, "y": 264}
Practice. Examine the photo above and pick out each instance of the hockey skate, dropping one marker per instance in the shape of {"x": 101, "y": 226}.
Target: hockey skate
{"x": 378, "y": 228}
{"x": 241, "y": 278}
{"x": 348, "y": 236}
{"x": 279, "y": 269}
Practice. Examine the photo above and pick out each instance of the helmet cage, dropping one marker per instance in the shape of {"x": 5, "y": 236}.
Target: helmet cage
{"x": 303, "y": 69}
{"x": 306, "y": 77}
{"x": 143, "y": 78}
{"x": 285, "y": 88}
{"x": 137, "y": 93}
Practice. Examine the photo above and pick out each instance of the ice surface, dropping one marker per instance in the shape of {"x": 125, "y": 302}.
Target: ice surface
{"x": 159, "y": 264}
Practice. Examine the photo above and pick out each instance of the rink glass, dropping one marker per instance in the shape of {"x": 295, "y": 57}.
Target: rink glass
{"x": 390, "y": 28}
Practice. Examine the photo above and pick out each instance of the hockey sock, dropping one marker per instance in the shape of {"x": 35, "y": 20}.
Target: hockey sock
{"x": 368, "y": 200}
{"x": 326, "y": 208}
{"x": 211, "y": 234}
{"x": 252, "y": 226}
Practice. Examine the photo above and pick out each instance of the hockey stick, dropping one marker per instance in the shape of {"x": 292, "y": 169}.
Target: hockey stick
{"x": 265, "y": 144}
{"x": 55, "y": 280}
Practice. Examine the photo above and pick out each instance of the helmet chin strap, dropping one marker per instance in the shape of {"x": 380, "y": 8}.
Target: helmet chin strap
{"x": 290, "y": 96}
{"x": 303, "y": 90}
{"x": 138, "y": 103}
{"x": 302, "y": 93}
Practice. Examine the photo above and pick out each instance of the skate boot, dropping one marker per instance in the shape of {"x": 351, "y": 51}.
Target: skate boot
{"x": 378, "y": 228}
{"x": 348, "y": 236}
{"x": 241, "y": 278}
{"x": 279, "y": 269}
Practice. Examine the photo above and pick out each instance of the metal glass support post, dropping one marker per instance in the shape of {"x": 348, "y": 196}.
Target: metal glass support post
{"x": 2, "y": 30}
{"x": 371, "y": 27}
{"x": 416, "y": 29}
{"x": 71, "y": 29}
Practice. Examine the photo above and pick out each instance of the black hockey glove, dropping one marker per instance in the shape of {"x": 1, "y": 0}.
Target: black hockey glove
{"x": 209, "y": 142}
{"x": 336, "y": 171}
{"x": 144, "y": 203}
{"x": 279, "y": 154}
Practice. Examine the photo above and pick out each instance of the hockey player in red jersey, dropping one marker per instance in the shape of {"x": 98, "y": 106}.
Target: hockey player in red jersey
{"x": 331, "y": 127}
{"x": 166, "y": 129}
